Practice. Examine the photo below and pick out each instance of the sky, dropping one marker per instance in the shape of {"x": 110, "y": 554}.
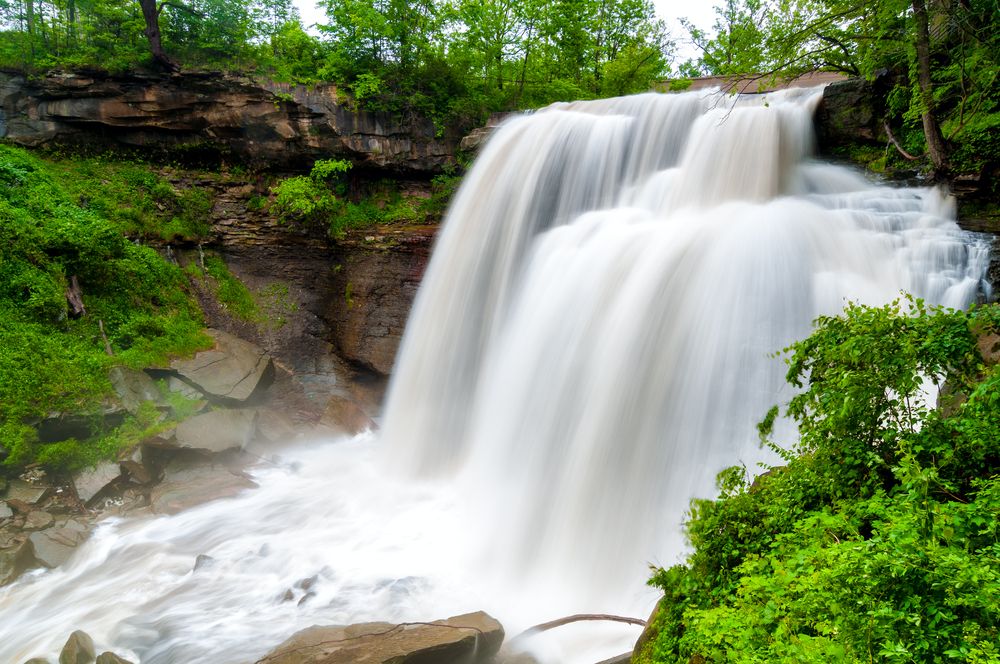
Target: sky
{"x": 699, "y": 11}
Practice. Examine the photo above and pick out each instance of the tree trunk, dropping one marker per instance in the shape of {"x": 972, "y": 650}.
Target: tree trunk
{"x": 151, "y": 14}
{"x": 937, "y": 149}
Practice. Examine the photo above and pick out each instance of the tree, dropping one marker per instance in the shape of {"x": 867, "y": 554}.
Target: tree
{"x": 939, "y": 50}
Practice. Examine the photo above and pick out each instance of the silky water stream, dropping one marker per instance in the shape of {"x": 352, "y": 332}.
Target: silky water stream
{"x": 593, "y": 341}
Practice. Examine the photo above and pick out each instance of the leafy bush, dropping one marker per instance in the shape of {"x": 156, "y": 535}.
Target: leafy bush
{"x": 880, "y": 538}
{"x": 50, "y": 361}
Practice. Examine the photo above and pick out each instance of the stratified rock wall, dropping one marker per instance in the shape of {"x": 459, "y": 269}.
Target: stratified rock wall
{"x": 375, "y": 278}
{"x": 212, "y": 116}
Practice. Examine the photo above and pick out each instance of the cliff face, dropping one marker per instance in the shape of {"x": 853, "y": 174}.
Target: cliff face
{"x": 215, "y": 118}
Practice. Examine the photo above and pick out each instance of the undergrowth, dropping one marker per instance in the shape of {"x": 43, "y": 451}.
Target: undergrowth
{"x": 879, "y": 539}
{"x": 52, "y": 361}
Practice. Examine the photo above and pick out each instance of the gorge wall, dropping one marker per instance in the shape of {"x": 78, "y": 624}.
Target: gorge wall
{"x": 214, "y": 117}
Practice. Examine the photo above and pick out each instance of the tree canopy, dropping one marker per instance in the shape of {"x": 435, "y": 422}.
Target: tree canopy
{"x": 943, "y": 57}
{"x": 453, "y": 60}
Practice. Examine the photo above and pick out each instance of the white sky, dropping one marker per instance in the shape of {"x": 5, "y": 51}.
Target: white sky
{"x": 699, "y": 11}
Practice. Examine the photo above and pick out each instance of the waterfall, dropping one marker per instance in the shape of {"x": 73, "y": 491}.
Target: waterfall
{"x": 593, "y": 341}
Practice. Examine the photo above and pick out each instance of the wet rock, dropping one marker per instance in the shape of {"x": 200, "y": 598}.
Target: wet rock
{"x": 624, "y": 658}
{"x": 29, "y": 493}
{"x": 188, "y": 487}
{"x": 234, "y": 370}
{"x": 275, "y": 427}
{"x": 79, "y": 649}
{"x": 19, "y": 506}
{"x": 14, "y": 560}
{"x": 203, "y": 561}
{"x": 989, "y": 347}
{"x": 466, "y": 639}
{"x": 849, "y": 114}
{"x": 111, "y": 658}
{"x": 175, "y": 384}
{"x": 92, "y": 481}
{"x": 136, "y": 472}
{"x": 37, "y": 520}
{"x": 5, "y": 511}
{"x": 373, "y": 290}
{"x": 344, "y": 415}
{"x": 52, "y": 547}
{"x": 134, "y": 388}
{"x": 217, "y": 430}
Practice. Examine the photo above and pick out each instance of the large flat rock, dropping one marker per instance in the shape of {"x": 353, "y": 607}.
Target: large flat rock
{"x": 218, "y": 430}
{"x": 53, "y": 547}
{"x": 233, "y": 370}
{"x": 465, "y": 639}
{"x": 184, "y": 488}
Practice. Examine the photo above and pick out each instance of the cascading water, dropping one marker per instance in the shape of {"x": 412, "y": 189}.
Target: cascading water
{"x": 592, "y": 343}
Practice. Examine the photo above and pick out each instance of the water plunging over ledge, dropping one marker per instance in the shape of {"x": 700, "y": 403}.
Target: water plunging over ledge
{"x": 592, "y": 343}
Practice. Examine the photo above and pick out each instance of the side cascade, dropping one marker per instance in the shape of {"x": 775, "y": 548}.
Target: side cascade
{"x": 595, "y": 336}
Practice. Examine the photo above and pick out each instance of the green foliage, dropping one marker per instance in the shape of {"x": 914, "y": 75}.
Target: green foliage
{"x": 784, "y": 38}
{"x": 267, "y": 307}
{"x": 309, "y": 199}
{"x": 50, "y": 362}
{"x": 137, "y": 201}
{"x": 879, "y": 540}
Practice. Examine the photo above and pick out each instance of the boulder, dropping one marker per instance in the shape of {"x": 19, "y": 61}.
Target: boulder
{"x": 37, "y": 520}
{"x": 465, "y": 639}
{"x": 79, "y": 649}
{"x": 136, "y": 472}
{"x": 848, "y": 114}
{"x": 188, "y": 487}
{"x": 52, "y": 547}
{"x": 134, "y": 388}
{"x": 989, "y": 347}
{"x": 37, "y": 660}
{"x": 234, "y": 370}
{"x": 14, "y": 560}
{"x": 92, "y": 481}
{"x": 217, "y": 430}
{"x": 5, "y": 511}
{"x": 111, "y": 658}
{"x": 31, "y": 494}
{"x": 342, "y": 414}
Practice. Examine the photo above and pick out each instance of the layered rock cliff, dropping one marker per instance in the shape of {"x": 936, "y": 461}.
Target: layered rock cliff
{"x": 213, "y": 118}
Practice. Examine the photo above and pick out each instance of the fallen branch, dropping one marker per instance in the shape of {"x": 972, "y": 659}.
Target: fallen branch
{"x": 107, "y": 344}
{"x": 580, "y": 617}
{"x": 895, "y": 143}
{"x": 74, "y": 297}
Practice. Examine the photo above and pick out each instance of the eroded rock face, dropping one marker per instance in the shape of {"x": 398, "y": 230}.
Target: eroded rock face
{"x": 373, "y": 289}
{"x": 465, "y": 639}
{"x": 209, "y": 115}
{"x": 848, "y": 114}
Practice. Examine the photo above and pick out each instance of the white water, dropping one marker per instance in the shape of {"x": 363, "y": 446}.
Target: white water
{"x": 591, "y": 345}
